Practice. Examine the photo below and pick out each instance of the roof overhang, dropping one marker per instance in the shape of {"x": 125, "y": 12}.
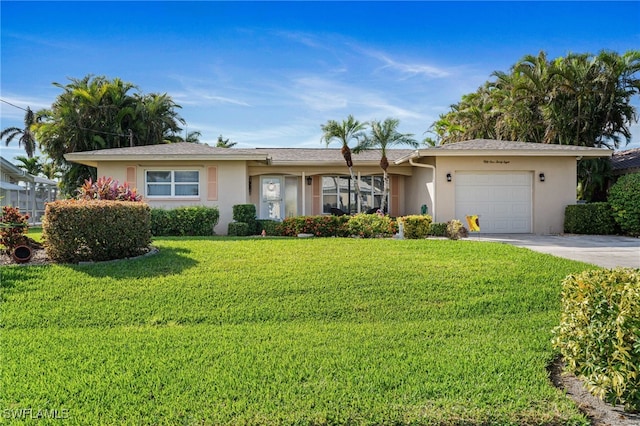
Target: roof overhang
{"x": 91, "y": 159}
{"x": 501, "y": 149}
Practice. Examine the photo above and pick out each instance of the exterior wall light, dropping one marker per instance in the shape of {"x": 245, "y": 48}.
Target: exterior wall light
{"x": 309, "y": 180}
{"x": 448, "y": 177}
{"x": 541, "y": 176}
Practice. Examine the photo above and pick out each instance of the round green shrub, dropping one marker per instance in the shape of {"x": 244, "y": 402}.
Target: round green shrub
{"x": 624, "y": 199}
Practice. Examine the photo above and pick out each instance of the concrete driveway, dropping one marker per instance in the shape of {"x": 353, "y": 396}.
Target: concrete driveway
{"x": 607, "y": 251}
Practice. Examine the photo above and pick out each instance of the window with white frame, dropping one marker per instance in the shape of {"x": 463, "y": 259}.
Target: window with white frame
{"x": 172, "y": 183}
{"x": 339, "y": 192}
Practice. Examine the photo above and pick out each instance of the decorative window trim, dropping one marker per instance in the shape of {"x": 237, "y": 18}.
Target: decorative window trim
{"x": 172, "y": 183}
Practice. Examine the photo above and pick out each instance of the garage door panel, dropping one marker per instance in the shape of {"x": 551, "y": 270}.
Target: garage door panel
{"x": 501, "y": 200}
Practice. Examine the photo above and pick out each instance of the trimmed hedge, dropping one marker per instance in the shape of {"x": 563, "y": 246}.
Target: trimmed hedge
{"x": 624, "y": 199}
{"x": 246, "y": 213}
{"x": 370, "y": 226}
{"x": 598, "y": 333}
{"x": 438, "y": 229}
{"x": 270, "y": 227}
{"x": 592, "y": 218}
{"x": 239, "y": 229}
{"x": 182, "y": 221}
{"x": 320, "y": 226}
{"x": 95, "y": 230}
{"x": 416, "y": 226}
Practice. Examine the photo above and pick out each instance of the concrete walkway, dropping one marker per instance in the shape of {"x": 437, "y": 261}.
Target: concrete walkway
{"x": 608, "y": 251}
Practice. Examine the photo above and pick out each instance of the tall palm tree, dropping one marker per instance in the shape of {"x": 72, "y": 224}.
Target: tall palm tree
{"x": 382, "y": 137}
{"x": 344, "y": 132}
{"x": 26, "y": 136}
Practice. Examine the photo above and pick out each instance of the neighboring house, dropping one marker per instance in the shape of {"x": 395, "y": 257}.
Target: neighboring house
{"x": 514, "y": 187}
{"x": 27, "y": 192}
{"x": 625, "y": 162}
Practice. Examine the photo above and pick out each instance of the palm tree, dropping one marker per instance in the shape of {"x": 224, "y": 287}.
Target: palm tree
{"x": 30, "y": 165}
{"x": 224, "y": 143}
{"x": 382, "y": 137}
{"x": 26, "y": 137}
{"x": 344, "y": 132}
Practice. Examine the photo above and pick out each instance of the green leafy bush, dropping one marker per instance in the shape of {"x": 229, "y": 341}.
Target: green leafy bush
{"x": 592, "y": 218}
{"x": 598, "y": 333}
{"x": 13, "y": 228}
{"x": 455, "y": 230}
{"x": 239, "y": 229}
{"x": 370, "y": 226}
{"x": 182, "y": 221}
{"x": 624, "y": 199}
{"x": 270, "y": 227}
{"x": 246, "y": 213}
{"x": 416, "y": 226}
{"x": 438, "y": 229}
{"x": 320, "y": 226}
{"x": 80, "y": 230}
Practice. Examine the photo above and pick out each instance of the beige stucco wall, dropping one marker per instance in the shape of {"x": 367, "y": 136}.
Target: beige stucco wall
{"x": 549, "y": 198}
{"x": 231, "y": 177}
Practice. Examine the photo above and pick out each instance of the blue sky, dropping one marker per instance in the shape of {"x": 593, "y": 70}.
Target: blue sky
{"x": 270, "y": 73}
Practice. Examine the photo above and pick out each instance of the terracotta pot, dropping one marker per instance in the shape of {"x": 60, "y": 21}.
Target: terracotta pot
{"x": 22, "y": 254}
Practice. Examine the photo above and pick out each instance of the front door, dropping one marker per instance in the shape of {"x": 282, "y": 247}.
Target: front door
{"x": 271, "y": 204}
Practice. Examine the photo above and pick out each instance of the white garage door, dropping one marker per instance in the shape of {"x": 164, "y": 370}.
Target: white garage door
{"x": 502, "y": 200}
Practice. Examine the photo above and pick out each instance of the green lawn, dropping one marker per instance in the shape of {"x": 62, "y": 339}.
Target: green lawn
{"x": 284, "y": 331}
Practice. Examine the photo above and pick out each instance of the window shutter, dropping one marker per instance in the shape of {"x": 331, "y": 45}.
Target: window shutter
{"x": 395, "y": 195}
{"x": 317, "y": 197}
{"x": 131, "y": 178}
{"x": 212, "y": 183}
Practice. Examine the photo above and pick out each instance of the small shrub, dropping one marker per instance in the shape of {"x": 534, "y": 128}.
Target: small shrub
{"x": 593, "y": 219}
{"x": 438, "y": 229}
{"x": 107, "y": 188}
{"x": 183, "y": 221}
{"x": 270, "y": 227}
{"x": 416, "y": 226}
{"x": 455, "y": 230}
{"x": 246, "y": 213}
{"x": 624, "y": 199}
{"x": 13, "y": 228}
{"x": 96, "y": 230}
{"x": 239, "y": 229}
{"x": 598, "y": 333}
{"x": 320, "y": 226}
{"x": 370, "y": 226}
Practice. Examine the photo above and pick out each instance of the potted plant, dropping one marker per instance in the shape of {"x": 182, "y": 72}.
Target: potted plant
{"x": 13, "y": 227}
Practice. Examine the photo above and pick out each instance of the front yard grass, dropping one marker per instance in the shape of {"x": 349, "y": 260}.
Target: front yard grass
{"x": 288, "y": 331}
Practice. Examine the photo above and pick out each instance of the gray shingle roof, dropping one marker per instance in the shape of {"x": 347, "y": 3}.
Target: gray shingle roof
{"x": 326, "y": 155}
{"x": 628, "y": 159}
{"x": 492, "y": 144}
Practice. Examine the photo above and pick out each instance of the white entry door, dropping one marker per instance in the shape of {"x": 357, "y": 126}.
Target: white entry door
{"x": 502, "y": 200}
{"x": 271, "y": 192}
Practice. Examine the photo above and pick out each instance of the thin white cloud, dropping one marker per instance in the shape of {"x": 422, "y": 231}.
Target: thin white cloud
{"x": 406, "y": 69}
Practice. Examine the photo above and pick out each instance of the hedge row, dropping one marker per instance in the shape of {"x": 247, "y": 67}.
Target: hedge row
{"x": 598, "y": 333}
{"x": 593, "y": 219}
{"x": 181, "y": 221}
{"x": 77, "y": 230}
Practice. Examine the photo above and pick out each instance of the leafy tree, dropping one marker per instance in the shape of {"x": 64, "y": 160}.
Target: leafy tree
{"x": 224, "y": 143}
{"x": 580, "y": 99}
{"x": 25, "y": 136}
{"x": 381, "y": 137}
{"x": 344, "y": 132}
{"x": 97, "y": 113}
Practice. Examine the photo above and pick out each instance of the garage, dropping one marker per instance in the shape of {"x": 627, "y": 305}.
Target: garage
{"x": 502, "y": 200}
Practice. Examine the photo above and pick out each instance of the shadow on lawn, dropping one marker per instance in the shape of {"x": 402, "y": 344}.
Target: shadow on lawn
{"x": 166, "y": 261}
